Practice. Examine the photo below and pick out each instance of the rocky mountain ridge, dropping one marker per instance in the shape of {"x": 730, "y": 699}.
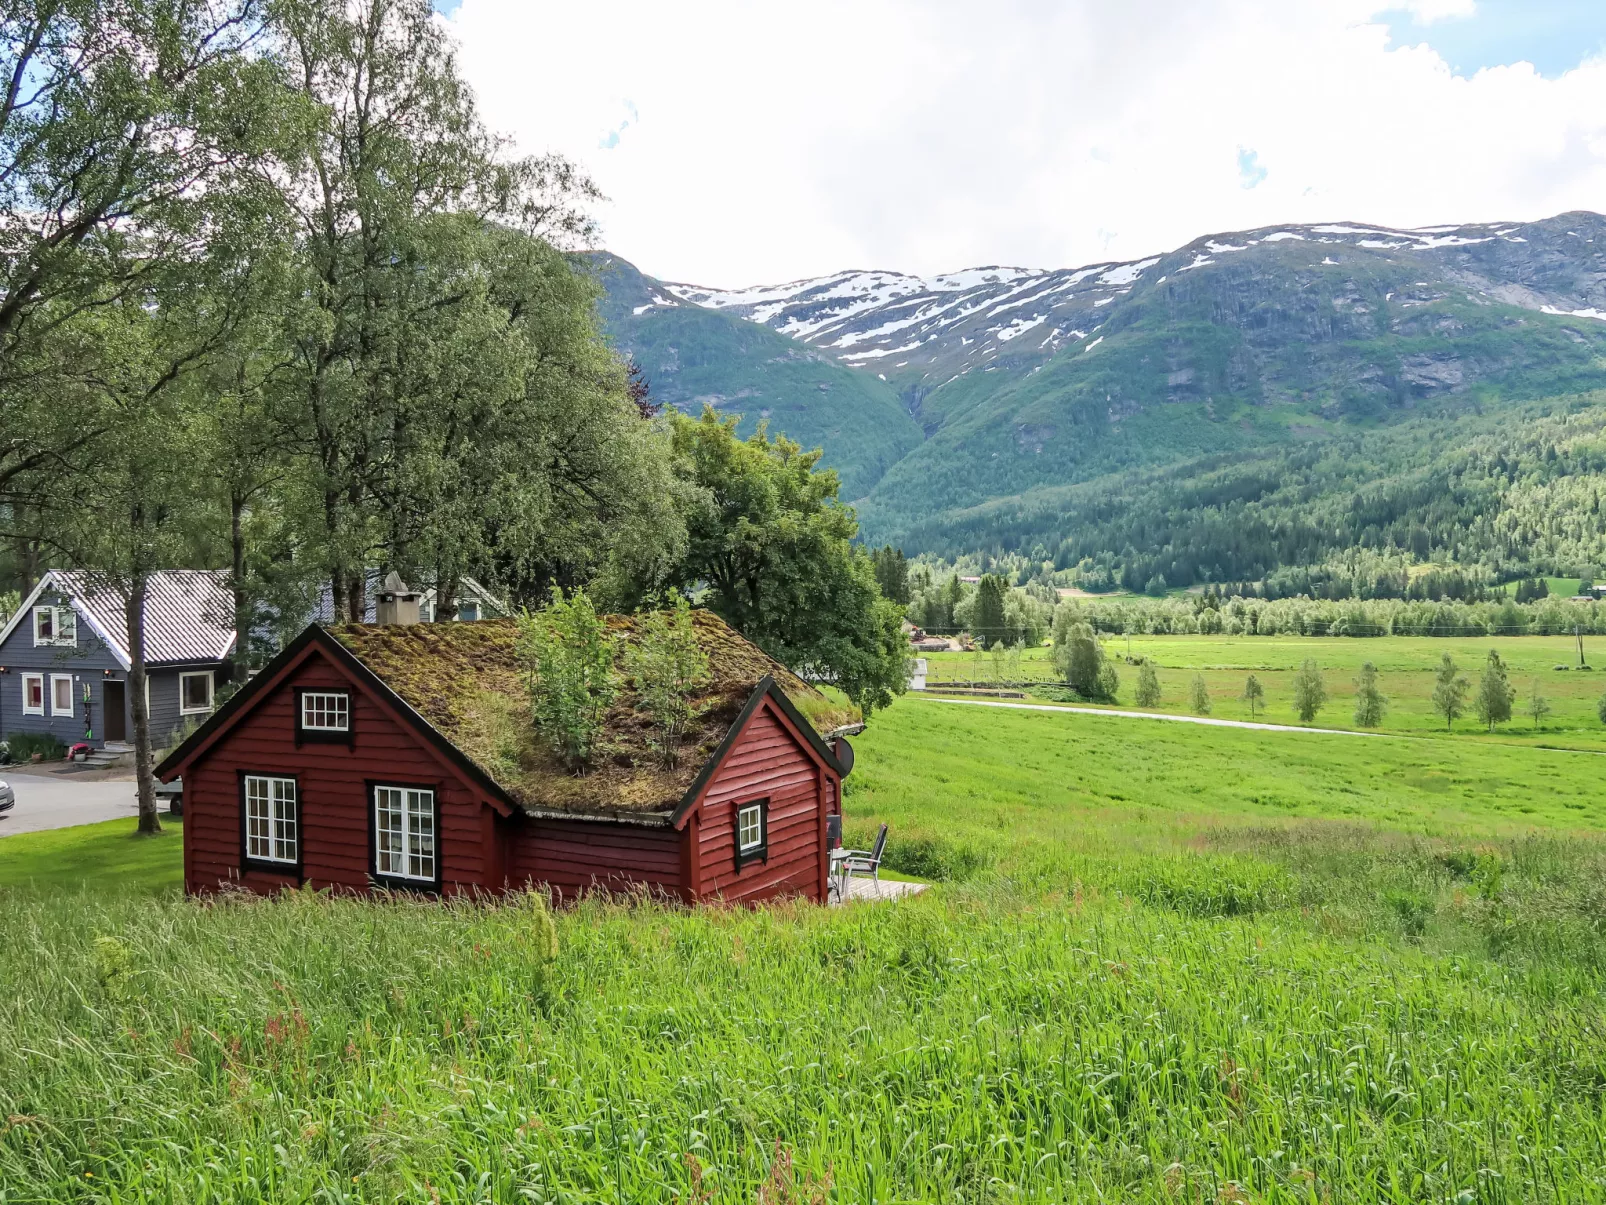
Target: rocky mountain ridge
{"x": 1026, "y": 380}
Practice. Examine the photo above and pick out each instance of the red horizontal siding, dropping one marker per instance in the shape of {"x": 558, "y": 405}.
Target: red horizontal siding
{"x": 333, "y": 792}
{"x": 768, "y": 760}
{"x": 577, "y": 856}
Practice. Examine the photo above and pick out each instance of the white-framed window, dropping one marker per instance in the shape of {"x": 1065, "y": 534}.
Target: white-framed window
{"x": 272, "y": 820}
{"x": 750, "y": 829}
{"x": 55, "y": 625}
{"x": 326, "y": 711}
{"x": 194, "y": 692}
{"x": 404, "y": 834}
{"x": 60, "y": 694}
{"x": 33, "y": 694}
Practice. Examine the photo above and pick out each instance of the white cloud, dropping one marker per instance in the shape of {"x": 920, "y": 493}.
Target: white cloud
{"x": 744, "y": 142}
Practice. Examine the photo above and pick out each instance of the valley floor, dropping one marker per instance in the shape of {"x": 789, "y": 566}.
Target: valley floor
{"x": 1162, "y": 962}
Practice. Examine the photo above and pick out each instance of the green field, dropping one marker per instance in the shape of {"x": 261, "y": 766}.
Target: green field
{"x": 1406, "y": 666}
{"x": 1165, "y": 963}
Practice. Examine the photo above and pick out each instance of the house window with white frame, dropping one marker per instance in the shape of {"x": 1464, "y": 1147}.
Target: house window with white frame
{"x": 751, "y": 822}
{"x": 61, "y": 694}
{"x": 404, "y": 834}
{"x": 33, "y": 694}
{"x": 194, "y": 692}
{"x": 272, "y": 820}
{"x": 54, "y": 625}
{"x": 325, "y": 711}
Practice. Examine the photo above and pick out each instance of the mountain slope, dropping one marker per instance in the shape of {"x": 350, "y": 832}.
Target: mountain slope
{"x": 693, "y": 356}
{"x": 1047, "y": 398}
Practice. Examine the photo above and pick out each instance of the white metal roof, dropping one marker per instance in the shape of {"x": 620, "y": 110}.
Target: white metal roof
{"x": 189, "y": 614}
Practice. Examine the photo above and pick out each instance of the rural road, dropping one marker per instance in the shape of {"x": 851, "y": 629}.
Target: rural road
{"x": 48, "y": 801}
{"x": 1156, "y": 715}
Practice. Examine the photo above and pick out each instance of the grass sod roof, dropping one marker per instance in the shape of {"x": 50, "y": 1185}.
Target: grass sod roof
{"x": 466, "y": 680}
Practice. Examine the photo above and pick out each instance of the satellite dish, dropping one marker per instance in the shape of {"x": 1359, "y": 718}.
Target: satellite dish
{"x": 844, "y": 754}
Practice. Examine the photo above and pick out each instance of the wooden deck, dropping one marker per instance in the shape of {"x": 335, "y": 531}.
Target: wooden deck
{"x": 871, "y": 891}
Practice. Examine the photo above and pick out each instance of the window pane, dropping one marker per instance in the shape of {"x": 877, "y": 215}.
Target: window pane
{"x": 328, "y": 712}
{"x": 388, "y": 830}
{"x": 421, "y": 849}
{"x": 63, "y": 694}
{"x": 257, "y": 820}
{"x": 284, "y": 821}
{"x": 34, "y": 692}
{"x": 750, "y": 827}
{"x": 67, "y": 625}
{"x": 44, "y": 619}
{"x": 197, "y": 690}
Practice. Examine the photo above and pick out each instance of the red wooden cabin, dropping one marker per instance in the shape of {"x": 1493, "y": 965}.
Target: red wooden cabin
{"x": 402, "y": 756}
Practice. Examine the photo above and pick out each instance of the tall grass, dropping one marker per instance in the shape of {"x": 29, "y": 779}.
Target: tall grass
{"x": 978, "y": 1044}
{"x": 1159, "y": 966}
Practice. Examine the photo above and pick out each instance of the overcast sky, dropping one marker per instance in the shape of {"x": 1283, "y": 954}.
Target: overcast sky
{"x": 744, "y": 143}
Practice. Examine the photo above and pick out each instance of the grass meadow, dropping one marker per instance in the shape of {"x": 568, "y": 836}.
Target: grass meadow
{"x": 1406, "y": 666}
{"x": 1160, "y": 963}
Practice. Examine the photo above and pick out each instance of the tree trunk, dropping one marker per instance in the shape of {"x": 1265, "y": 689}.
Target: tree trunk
{"x": 357, "y": 597}
{"x": 143, "y": 770}
{"x": 446, "y": 587}
{"x": 27, "y": 554}
{"x": 242, "y": 618}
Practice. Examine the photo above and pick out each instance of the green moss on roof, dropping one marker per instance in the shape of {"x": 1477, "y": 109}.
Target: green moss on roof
{"x": 465, "y": 679}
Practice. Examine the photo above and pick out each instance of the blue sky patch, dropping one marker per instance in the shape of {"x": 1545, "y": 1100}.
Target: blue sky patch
{"x": 1554, "y": 35}
{"x": 1250, "y": 169}
{"x": 447, "y": 7}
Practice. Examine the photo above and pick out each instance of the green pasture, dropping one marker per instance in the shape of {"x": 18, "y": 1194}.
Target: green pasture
{"x": 1162, "y": 962}
{"x": 1406, "y": 665}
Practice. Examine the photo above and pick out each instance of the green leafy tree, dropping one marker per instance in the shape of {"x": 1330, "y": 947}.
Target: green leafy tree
{"x": 1449, "y": 692}
{"x": 1369, "y": 701}
{"x": 667, "y": 667}
{"x": 1254, "y": 694}
{"x": 768, "y": 537}
{"x": 1310, "y": 691}
{"x": 988, "y": 622}
{"x": 1148, "y": 691}
{"x": 568, "y": 655}
{"x": 1080, "y": 660}
{"x": 1537, "y": 706}
{"x": 1600, "y": 708}
{"x": 1492, "y": 703}
{"x": 1198, "y": 696}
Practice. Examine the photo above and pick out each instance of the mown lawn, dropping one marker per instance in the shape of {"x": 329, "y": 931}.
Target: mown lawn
{"x": 1166, "y": 963}
{"x": 110, "y": 857}
{"x": 1406, "y": 666}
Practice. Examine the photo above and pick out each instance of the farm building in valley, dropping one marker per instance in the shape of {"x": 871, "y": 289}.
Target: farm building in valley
{"x": 403, "y": 756}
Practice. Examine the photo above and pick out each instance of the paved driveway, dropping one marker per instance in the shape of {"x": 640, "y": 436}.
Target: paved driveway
{"x": 47, "y": 801}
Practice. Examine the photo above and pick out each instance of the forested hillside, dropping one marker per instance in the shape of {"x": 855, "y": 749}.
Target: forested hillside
{"x": 1248, "y": 402}
{"x": 691, "y": 357}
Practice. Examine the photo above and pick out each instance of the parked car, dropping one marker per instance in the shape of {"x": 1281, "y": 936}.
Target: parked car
{"x": 8, "y": 797}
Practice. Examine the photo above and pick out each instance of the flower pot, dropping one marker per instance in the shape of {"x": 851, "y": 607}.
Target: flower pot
{"x": 38, "y": 757}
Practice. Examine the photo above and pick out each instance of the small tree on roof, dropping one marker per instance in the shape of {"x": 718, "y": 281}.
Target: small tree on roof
{"x": 667, "y": 667}
{"x": 569, "y": 656}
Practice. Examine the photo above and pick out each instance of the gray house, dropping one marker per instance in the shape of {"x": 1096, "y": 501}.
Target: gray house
{"x": 64, "y": 657}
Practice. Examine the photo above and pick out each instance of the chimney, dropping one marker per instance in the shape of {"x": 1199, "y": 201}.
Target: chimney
{"x": 396, "y": 604}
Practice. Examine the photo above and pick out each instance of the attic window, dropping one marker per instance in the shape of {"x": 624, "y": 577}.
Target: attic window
{"x": 325, "y": 711}
{"x": 752, "y": 832}
{"x": 54, "y": 625}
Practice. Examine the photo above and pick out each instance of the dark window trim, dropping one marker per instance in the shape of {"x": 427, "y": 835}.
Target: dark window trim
{"x": 761, "y": 851}
{"x": 283, "y": 869}
{"x": 396, "y": 882}
{"x": 324, "y": 736}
